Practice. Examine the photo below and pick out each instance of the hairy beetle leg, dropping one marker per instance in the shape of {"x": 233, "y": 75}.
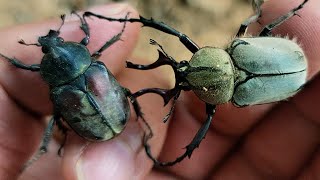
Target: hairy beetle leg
{"x": 113, "y": 40}
{"x": 17, "y": 63}
{"x": 210, "y": 109}
{"x": 266, "y": 31}
{"x": 256, "y": 4}
{"x": 184, "y": 39}
{"x": 85, "y": 28}
{"x": 44, "y": 142}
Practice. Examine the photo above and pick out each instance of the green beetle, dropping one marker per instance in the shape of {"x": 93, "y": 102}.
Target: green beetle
{"x": 249, "y": 71}
{"x": 83, "y": 91}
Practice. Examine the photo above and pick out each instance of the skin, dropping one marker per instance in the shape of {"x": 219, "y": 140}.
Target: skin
{"x": 266, "y": 141}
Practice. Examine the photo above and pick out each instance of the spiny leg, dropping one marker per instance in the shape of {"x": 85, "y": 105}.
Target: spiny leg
{"x": 163, "y": 59}
{"x": 44, "y": 142}
{"x": 167, "y": 95}
{"x": 85, "y": 28}
{"x": 17, "y": 63}
{"x": 137, "y": 109}
{"x": 256, "y": 4}
{"x": 184, "y": 39}
{"x": 166, "y": 117}
{"x": 113, "y": 40}
{"x": 189, "y": 148}
{"x": 266, "y": 31}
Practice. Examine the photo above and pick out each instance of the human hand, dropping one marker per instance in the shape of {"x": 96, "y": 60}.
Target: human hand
{"x": 289, "y": 141}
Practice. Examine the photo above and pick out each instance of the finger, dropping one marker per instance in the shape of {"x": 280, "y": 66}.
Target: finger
{"x": 35, "y": 94}
{"x": 230, "y": 122}
{"x": 16, "y": 144}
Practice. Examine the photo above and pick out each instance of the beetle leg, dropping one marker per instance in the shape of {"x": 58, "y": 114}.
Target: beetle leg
{"x": 165, "y": 119}
{"x": 184, "y": 39}
{"x": 134, "y": 102}
{"x": 17, "y": 63}
{"x": 63, "y": 18}
{"x": 64, "y": 131}
{"x": 166, "y": 94}
{"x": 45, "y": 141}
{"x": 266, "y": 31}
{"x": 21, "y": 41}
{"x": 162, "y": 60}
{"x": 85, "y": 28}
{"x": 256, "y": 4}
{"x": 62, "y": 144}
{"x": 137, "y": 109}
{"x": 189, "y": 148}
{"x": 113, "y": 40}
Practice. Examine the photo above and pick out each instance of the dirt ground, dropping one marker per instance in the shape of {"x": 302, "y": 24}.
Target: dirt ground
{"x": 207, "y": 22}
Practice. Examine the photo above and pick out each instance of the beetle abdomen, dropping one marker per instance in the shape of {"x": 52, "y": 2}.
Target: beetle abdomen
{"x": 270, "y": 69}
{"x": 94, "y": 105}
{"x": 211, "y": 75}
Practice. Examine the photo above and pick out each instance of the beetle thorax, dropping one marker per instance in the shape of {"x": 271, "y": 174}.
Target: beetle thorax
{"x": 64, "y": 62}
{"x": 211, "y": 75}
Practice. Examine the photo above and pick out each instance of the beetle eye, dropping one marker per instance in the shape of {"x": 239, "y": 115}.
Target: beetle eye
{"x": 184, "y": 62}
{"x": 60, "y": 39}
{"x": 44, "y": 49}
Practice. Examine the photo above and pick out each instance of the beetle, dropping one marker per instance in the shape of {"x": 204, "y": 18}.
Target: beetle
{"x": 83, "y": 91}
{"x": 249, "y": 71}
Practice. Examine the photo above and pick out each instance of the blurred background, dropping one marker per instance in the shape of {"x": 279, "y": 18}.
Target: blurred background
{"x": 207, "y": 22}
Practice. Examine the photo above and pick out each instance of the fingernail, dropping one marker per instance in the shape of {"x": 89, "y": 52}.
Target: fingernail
{"x": 114, "y": 159}
{"x": 114, "y": 162}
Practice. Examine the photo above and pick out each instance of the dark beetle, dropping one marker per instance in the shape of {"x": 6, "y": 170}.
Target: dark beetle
{"x": 251, "y": 70}
{"x": 84, "y": 92}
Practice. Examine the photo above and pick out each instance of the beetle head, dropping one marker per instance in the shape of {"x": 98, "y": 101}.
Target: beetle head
{"x": 50, "y": 40}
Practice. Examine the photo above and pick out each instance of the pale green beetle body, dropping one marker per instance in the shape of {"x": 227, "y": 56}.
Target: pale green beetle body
{"x": 250, "y": 71}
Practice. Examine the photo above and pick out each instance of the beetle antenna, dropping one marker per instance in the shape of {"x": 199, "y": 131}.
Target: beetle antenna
{"x": 63, "y": 17}
{"x": 21, "y": 41}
